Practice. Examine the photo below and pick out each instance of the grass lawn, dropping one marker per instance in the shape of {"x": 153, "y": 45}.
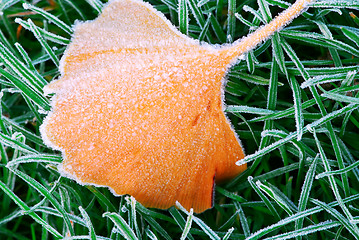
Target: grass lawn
{"x": 293, "y": 102}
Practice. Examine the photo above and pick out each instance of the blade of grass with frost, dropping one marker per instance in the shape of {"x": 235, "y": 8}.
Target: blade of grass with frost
{"x": 43, "y": 191}
{"x": 264, "y": 10}
{"x": 49, "y": 17}
{"x": 334, "y": 140}
{"x": 341, "y": 171}
{"x": 198, "y": 15}
{"x": 171, "y": 5}
{"x": 269, "y": 175}
{"x": 34, "y": 109}
{"x": 202, "y": 2}
{"x": 304, "y": 195}
{"x": 155, "y": 225}
{"x": 121, "y": 225}
{"x": 197, "y": 12}
{"x": 30, "y": 213}
{"x": 242, "y": 219}
{"x": 133, "y": 217}
{"x": 43, "y": 58}
{"x": 77, "y": 9}
{"x": 247, "y": 109}
{"x": 348, "y": 116}
{"x": 183, "y": 16}
{"x": 12, "y": 216}
{"x": 28, "y": 62}
{"x": 289, "y": 50}
{"x": 188, "y": 225}
{"x": 260, "y": 233}
{"x": 88, "y": 222}
{"x": 230, "y": 195}
{"x": 26, "y": 89}
{"x": 6, "y": 4}
{"x": 349, "y": 78}
{"x": 29, "y": 135}
{"x": 179, "y": 220}
{"x": 349, "y": 157}
{"x": 293, "y": 135}
{"x": 38, "y": 158}
{"x": 245, "y": 22}
{"x": 298, "y": 113}
{"x": 336, "y": 4}
{"x": 96, "y": 4}
{"x": 274, "y": 196}
{"x": 352, "y": 228}
{"x": 281, "y": 134}
{"x": 271, "y": 105}
{"x": 2, "y": 125}
{"x": 228, "y": 234}
{"x": 249, "y": 78}
{"x": 46, "y": 34}
{"x": 156, "y": 215}
{"x": 248, "y": 125}
{"x": 251, "y": 60}
{"x": 206, "y": 229}
{"x": 305, "y": 231}
{"x": 320, "y": 41}
{"x": 4, "y": 19}
{"x": 216, "y": 27}
{"x": 31, "y": 79}
{"x": 15, "y": 144}
{"x": 102, "y": 199}
{"x": 150, "y": 234}
{"x": 273, "y": 87}
{"x": 255, "y": 13}
{"x": 352, "y": 35}
{"x": 150, "y": 217}
{"x": 286, "y": 199}
{"x": 340, "y": 98}
{"x": 277, "y": 52}
{"x": 44, "y": 200}
{"x": 55, "y": 213}
{"x": 30, "y": 83}
{"x": 333, "y": 52}
{"x": 334, "y": 186}
{"x": 264, "y": 198}
{"x": 231, "y": 20}
{"x": 324, "y": 79}
{"x": 64, "y": 12}
{"x": 287, "y": 113}
{"x": 229, "y": 221}
{"x": 205, "y": 28}
{"x": 43, "y": 43}
{"x": 10, "y": 177}
{"x": 316, "y": 71}
{"x": 6, "y": 42}
{"x": 338, "y": 234}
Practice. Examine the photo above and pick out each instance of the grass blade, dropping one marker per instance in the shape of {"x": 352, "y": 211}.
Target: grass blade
{"x": 88, "y": 222}
{"x": 183, "y": 16}
{"x": 188, "y": 225}
{"x": 122, "y": 226}
{"x": 28, "y": 211}
{"x": 49, "y": 17}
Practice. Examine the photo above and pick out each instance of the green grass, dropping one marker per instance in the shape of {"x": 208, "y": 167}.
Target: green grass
{"x": 293, "y": 102}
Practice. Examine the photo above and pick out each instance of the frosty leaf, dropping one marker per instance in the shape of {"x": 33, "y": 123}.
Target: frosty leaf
{"x": 139, "y": 107}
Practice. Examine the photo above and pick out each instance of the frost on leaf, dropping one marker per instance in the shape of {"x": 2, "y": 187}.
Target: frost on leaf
{"x": 138, "y": 108}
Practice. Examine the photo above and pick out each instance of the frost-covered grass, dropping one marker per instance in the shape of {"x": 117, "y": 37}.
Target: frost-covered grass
{"x": 293, "y": 101}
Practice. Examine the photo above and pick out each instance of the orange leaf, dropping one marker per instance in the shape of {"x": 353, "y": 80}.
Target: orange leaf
{"x": 139, "y": 108}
